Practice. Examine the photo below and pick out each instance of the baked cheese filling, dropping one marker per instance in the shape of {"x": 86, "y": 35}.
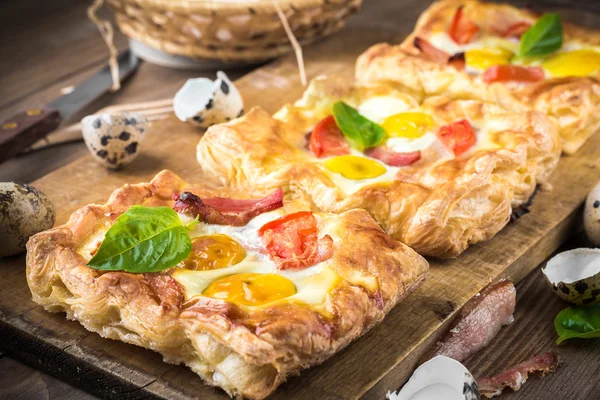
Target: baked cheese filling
{"x": 572, "y": 59}
{"x": 231, "y": 263}
{"x": 410, "y": 132}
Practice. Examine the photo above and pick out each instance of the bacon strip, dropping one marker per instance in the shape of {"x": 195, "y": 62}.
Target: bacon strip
{"x": 223, "y": 211}
{"x": 515, "y": 30}
{"x": 393, "y": 158}
{"x": 434, "y": 54}
{"x": 516, "y": 376}
{"x": 431, "y": 52}
{"x": 478, "y": 322}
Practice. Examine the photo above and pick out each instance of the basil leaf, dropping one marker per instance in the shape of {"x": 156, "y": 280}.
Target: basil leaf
{"x": 143, "y": 239}
{"x": 578, "y": 322}
{"x": 544, "y": 37}
{"x": 360, "y": 131}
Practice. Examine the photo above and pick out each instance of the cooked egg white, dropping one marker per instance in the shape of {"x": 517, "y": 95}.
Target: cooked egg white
{"x": 573, "y": 59}
{"x": 379, "y": 108}
{"x": 312, "y": 284}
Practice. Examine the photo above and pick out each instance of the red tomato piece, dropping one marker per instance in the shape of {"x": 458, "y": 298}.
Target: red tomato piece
{"x": 462, "y": 29}
{"x": 430, "y": 51}
{"x": 327, "y": 139}
{"x": 516, "y": 30}
{"x": 507, "y": 72}
{"x": 458, "y": 136}
{"x": 292, "y": 241}
{"x": 393, "y": 158}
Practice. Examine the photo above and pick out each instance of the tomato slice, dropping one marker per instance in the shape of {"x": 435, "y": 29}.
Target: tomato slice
{"x": 516, "y": 30}
{"x": 458, "y": 136}
{"x": 462, "y": 29}
{"x": 327, "y": 139}
{"x": 507, "y": 72}
{"x": 292, "y": 241}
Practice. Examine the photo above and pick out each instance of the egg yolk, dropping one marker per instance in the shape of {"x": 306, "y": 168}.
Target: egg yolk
{"x": 355, "y": 167}
{"x": 487, "y": 57}
{"x": 573, "y": 63}
{"x": 251, "y": 289}
{"x": 213, "y": 252}
{"x": 410, "y": 125}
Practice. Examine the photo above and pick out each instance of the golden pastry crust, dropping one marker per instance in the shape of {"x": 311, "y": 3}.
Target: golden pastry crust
{"x": 436, "y": 208}
{"x": 247, "y": 352}
{"x": 573, "y": 103}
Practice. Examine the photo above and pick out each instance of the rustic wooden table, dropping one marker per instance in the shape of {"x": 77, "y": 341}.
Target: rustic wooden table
{"x": 48, "y": 46}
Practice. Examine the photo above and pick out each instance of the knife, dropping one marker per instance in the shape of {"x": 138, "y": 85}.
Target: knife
{"x": 20, "y": 131}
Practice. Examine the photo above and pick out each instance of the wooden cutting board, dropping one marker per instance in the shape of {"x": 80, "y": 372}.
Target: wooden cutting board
{"x": 369, "y": 367}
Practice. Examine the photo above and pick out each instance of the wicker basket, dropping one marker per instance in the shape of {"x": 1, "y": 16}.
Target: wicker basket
{"x": 228, "y": 30}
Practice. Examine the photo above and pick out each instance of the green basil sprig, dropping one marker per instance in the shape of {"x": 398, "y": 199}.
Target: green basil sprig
{"x": 360, "y": 131}
{"x": 544, "y": 37}
{"x": 577, "y": 322}
{"x": 143, "y": 239}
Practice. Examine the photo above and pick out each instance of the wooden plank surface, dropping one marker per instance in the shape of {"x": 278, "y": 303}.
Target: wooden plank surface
{"x": 117, "y": 370}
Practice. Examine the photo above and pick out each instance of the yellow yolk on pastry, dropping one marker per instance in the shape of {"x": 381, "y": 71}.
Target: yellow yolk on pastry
{"x": 487, "y": 57}
{"x": 251, "y": 289}
{"x": 410, "y": 125}
{"x": 355, "y": 167}
{"x": 214, "y": 251}
{"x": 573, "y": 63}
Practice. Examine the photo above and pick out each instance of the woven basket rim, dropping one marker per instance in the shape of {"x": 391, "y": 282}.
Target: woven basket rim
{"x": 224, "y": 6}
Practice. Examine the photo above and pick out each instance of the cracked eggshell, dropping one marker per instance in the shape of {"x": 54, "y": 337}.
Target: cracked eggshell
{"x": 439, "y": 378}
{"x": 114, "y": 139}
{"x": 202, "y": 102}
{"x": 591, "y": 215}
{"x": 575, "y": 275}
{"x": 24, "y": 211}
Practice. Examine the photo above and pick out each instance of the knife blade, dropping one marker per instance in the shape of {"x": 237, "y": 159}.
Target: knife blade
{"x": 20, "y": 131}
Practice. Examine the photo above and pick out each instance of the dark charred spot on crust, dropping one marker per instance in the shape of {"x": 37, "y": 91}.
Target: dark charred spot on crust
{"x": 523, "y": 208}
{"x": 597, "y": 204}
{"x": 210, "y": 104}
{"x": 124, "y": 136}
{"x": 104, "y": 140}
{"x": 131, "y": 148}
{"x": 224, "y": 87}
{"x": 102, "y": 153}
{"x": 581, "y": 287}
{"x": 307, "y": 140}
{"x": 563, "y": 288}
{"x": 444, "y": 309}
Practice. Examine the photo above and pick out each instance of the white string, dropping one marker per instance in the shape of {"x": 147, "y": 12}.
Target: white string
{"x": 293, "y": 41}
{"x": 106, "y": 30}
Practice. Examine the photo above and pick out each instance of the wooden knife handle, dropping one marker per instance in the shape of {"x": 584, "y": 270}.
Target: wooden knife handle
{"x": 20, "y": 131}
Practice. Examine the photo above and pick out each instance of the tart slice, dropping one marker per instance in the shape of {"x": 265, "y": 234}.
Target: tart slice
{"x": 245, "y": 291}
{"x": 498, "y": 53}
{"x": 437, "y": 173}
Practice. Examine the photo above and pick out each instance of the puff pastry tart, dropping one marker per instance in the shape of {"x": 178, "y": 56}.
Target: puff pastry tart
{"x": 437, "y": 174}
{"x": 243, "y": 291}
{"x": 499, "y": 53}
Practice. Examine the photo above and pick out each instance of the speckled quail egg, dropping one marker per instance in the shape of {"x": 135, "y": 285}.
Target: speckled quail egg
{"x": 24, "y": 211}
{"x": 114, "y": 139}
{"x": 591, "y": 215}
{"x": 439, "y": 378}
{"x": 575, "y": 275}
{"x": 202, "y": 102}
